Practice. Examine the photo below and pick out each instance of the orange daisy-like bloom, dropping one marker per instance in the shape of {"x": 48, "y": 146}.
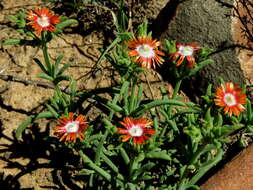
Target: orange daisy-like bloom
{"x": 137, "y": 129}
{"x": 185, "y": 51}
{"x": 70, "y": 129}
{"x": 230, "y": 97}
{"x": 42, "y": 20}
{"x": 144, "y": 49}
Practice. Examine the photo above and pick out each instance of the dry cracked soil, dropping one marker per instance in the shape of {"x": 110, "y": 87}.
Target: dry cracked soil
{"x": 31, "y": 162}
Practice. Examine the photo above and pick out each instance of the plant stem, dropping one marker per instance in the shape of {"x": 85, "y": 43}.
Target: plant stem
{"x": 106, "y": 51}
{"x": 205, "y": 168}
{"x": 176, "y": 89}
{"x": 91, "y": 164}
{"x": 195, "y": 157}
{"x": 100, "y": 147}
{"x": 174, "y": 95}
{"x": 141, "y": 109}
{"x": 202, "y": 150}
{"x": 134, "y": 165}
{"x": 45, "y": 53}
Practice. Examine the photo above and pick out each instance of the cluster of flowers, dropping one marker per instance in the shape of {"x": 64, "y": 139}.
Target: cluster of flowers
{"x": 145, "y": 52}
{"x": 228, "y": 96}
{"x": 69, "y": 129}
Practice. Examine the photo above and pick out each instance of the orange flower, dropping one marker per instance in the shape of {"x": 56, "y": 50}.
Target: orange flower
{"x": 185, "y": 51}
{"x": 137, "y": 129}
{"x": 42, "y": 20}
{"x": 144, "y": 49}
{"x": 230, "y": 97}
{"x": 69, "y": 129}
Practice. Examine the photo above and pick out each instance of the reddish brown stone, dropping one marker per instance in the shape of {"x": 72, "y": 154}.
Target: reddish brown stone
{"x": 236, "y": 175}
{"x": 243, "y": 13}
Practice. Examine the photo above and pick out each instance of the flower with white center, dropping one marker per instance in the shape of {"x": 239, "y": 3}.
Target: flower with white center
{"x": 231, "y": 98}
{"x": 136, "y": 129}
{"x": 42, "y": 20}
{"x": 70, "y": 129}
{"x": 185, "y": 52}
{"x": 144, "y": 49}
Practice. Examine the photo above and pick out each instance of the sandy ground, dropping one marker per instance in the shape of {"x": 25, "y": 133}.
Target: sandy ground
{"x": 32, "y": 162}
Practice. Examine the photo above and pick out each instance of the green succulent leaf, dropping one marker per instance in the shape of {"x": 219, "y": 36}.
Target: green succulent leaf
{"x": 29, "y": 120}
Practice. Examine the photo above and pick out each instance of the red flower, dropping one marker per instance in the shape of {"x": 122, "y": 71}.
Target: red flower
{"x": 144, "y": 49}
{"x": 230, "y": 97}
{"x": 137, "y": 129}
{"x": 70, "y": 129}
{"x": 185, "y": 51}
{"x": 42, "y": 20}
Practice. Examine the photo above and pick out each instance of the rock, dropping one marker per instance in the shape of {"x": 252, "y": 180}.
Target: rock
{"x": 146, "y": 9}
{"x": 209, "y": 24}
{"x": 242, "y": 33}
{"x": 237, "y": 174}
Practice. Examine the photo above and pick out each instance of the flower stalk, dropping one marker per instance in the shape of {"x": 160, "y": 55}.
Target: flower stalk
{"x": 45, "y": 53}
{"x": 176, "y": 89}
{"x": 94, "y": 166}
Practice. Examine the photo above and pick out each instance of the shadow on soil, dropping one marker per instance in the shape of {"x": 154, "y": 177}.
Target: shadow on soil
{"x": 37, "y": 150}
{"x": 33, "y": 146}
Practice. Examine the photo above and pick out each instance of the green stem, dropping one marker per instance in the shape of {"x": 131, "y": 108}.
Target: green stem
{"x": 124, "y": 156}
{"x": 100, "y": 147}
{"x": 195, "y": 157}
{"x": 45, "y": 53}
{"x": 132, "y": 103}
{"x": 207, "y": 167}
{"x": 163, "y": 131}
{"x": 99, "y": 154}
{"x": 176, "y": 89}
{"x": 107, "y": 50}
{"x": 201, "y": 151}
{"x": 134, "y": 165}
{"x": 143, "y": 108}
{"x": 174, "y": 95}
{"x": 91, "y": 164}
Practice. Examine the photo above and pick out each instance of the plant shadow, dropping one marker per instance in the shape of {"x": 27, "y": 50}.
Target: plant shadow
{"x": 36, "y": 145}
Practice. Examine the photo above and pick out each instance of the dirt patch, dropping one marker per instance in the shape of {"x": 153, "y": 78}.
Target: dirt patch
{"x": 32, "y": 162}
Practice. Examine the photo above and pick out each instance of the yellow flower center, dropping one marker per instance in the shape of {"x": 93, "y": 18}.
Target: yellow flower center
{"x": 135, "y": 131}
{"x": 145, "y": 51}
{"x": 72, "y": 127}
{"x": 230, "y": 99}
{"x": 43, "y": 21}
{"x": 186, "y": 50}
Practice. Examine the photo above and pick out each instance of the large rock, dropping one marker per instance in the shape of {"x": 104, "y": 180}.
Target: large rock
{"x": 209, "y": 23}
{"x": 242, "y": 31}
{"x": 237, "y": 174}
